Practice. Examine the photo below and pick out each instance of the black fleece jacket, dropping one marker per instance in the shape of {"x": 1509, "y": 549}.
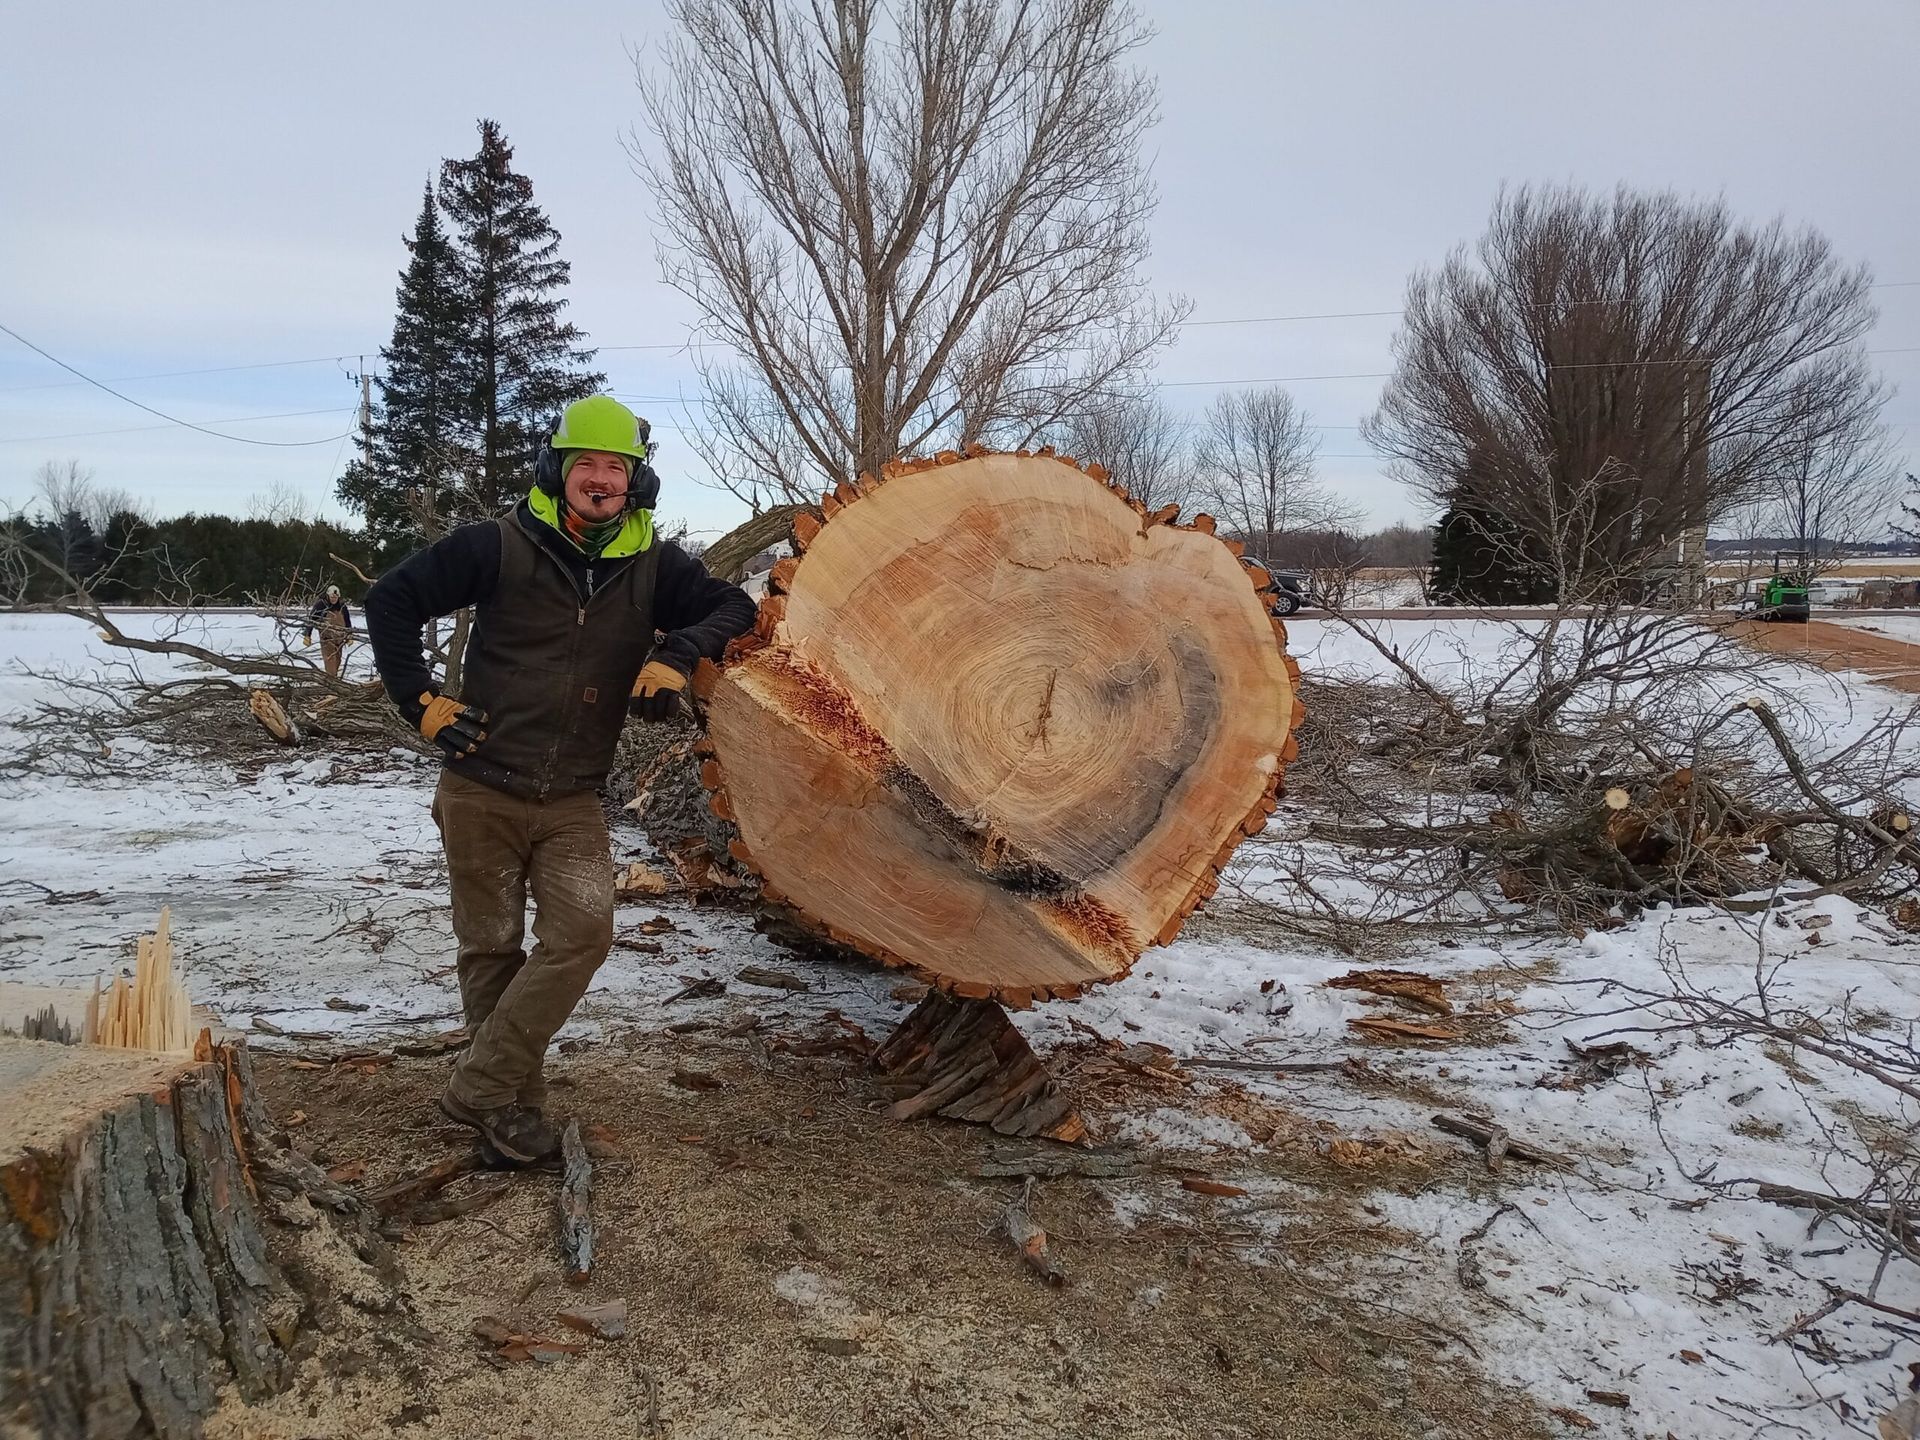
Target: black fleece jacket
{"x": 697, "y": 614}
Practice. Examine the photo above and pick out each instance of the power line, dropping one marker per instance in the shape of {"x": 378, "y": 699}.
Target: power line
{"x": 148, "y": 429}
{"x": 1576, "y": 365}
{"x": 175, "y": 374}
{"x": 161, "y": 414}
{"x": 1383, "y": 314}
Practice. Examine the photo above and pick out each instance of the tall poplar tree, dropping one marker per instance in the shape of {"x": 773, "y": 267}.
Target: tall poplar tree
{"x": 520, "y": 362}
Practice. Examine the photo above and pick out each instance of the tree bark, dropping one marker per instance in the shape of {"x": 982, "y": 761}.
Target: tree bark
{"x": 139, "y": 1266}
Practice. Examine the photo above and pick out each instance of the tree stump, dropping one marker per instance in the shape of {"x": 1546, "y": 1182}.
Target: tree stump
{"x": 139, "y": 1266}
{"x": 998, "y": 725}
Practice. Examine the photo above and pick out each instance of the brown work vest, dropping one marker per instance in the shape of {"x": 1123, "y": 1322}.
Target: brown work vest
{"x": 554, "y": 668}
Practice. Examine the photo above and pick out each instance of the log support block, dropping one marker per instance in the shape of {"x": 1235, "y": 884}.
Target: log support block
{"x": 963, "y": 1059}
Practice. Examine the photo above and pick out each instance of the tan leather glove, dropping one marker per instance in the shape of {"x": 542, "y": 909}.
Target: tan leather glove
{"x": 656, "y": 694}
{"x": 454, "y": 727}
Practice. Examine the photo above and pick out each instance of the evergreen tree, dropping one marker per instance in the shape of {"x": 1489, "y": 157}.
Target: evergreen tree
{"x": 1479, "y": 558}
{"x": 520, "y": 363}
{"x": 1910, "y": 511}
{"x": 126, "y": 574}
{"x": 421, "y": 432}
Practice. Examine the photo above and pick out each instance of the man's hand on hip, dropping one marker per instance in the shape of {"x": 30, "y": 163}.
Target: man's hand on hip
{"x": 656, "y": 694}
{"x": 457, "y": 729}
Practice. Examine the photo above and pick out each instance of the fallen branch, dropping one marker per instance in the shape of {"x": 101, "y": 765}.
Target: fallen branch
{"x": 575, "y": 1205}
{"x": 1488, "y": 1135}
{"x": 403, "y": 1194}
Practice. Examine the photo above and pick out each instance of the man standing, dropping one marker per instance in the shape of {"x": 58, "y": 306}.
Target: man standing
{"x": 568, "y": 591}
{"x": 334, "y": 620}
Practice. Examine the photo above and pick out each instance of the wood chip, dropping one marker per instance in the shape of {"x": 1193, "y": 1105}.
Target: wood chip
{"x": 705, "y": 988}
{"x": 352, "y": 1007}
{"x": 608, "y": 1321}
{"x": 1200, "y": 1185}
{"x": 1614, "y": 1399}
{"x": 770, "y": 979}
{"x": 351, "y": 1173}
{"x": 695, "y": 1080}
{"x": 1031, "y": 1241}
{"x": 1382, "y": 1027}
{"x": 833, "y": 1344}
{"x": 1571, "y": 1417}
{"x": 602, "y": 1141}
{"x": 640, "y": 879}
{"x": 403, "y": 1194}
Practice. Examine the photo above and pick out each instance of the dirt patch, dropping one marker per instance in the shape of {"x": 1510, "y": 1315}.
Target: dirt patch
{"x": 1889, "y": 662}
{"x": 796, "y": 1265}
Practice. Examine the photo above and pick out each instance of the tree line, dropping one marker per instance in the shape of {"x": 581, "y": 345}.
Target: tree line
{"x": 81, "y": 537}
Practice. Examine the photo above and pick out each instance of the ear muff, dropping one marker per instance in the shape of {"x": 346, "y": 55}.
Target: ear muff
{"x": 643, "y": 490}
{"x": 546, "y": 464}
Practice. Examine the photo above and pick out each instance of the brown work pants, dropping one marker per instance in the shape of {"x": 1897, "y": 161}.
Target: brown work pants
{"x": 498, "y": 848}
{"x": 333, "y": 646}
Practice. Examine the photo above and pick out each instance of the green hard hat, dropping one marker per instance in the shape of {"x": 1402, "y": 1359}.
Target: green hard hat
{"x": 601, "y": 422}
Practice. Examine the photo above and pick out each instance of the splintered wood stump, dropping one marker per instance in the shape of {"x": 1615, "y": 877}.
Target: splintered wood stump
{"x": 140, "y": 1268}
{"x": 1000, "y": 726}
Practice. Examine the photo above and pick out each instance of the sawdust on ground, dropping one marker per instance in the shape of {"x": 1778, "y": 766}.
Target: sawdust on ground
{"x": 1890, "y": 662}
{"x": 796, "y": 1265}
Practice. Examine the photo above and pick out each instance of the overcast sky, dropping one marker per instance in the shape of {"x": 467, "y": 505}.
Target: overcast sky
{"x": 184, "y": 187}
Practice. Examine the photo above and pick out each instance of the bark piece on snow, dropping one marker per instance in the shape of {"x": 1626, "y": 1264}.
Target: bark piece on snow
{"x": 1426, "y": 991}
{"x": 1488, "y": 1135}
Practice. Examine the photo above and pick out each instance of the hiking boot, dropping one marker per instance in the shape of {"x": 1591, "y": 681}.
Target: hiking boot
{"x": 516, "y": 1134}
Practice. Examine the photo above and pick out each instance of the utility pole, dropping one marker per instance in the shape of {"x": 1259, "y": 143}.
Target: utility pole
{"x": 366, "y": 409}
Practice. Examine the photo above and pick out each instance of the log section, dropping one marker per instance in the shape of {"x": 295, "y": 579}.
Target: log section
{"x": 1000, "y": 726}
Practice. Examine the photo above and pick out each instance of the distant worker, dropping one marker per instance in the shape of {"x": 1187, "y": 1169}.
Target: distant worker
{"x": 569, "y": 589}
{"x": 331, "y": 617}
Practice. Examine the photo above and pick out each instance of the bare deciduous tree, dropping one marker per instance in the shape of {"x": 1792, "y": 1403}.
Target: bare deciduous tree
{"x": 910, "y": 222}
{"x": 1829, "y": 488}
{"x": 1142, "y": 443}
{"x": 279, "y": 503}
{"x": 1254, "y": 459}
{"x": 1644, "y": 340}
{"x": 66, "y": 487}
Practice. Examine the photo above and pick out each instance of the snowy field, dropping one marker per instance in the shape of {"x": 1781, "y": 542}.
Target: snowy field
{"x": 1625, "y": 1274}
{"x": 1895, "y": 627}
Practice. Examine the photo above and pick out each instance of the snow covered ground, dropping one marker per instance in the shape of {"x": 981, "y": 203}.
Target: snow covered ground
{"x": 1627, "y": 1273}
{"x": 1897, "y": 627}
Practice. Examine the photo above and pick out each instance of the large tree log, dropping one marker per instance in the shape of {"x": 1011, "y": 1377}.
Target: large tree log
{"x": 1000, "y": 726}
{"x": 139, "y": 1270}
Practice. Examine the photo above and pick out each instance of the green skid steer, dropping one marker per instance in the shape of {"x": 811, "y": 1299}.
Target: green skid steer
{"x": 1783, "y": 595}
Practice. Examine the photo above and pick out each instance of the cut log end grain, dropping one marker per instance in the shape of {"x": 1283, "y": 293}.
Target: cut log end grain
{"x": 998, "y": 731}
